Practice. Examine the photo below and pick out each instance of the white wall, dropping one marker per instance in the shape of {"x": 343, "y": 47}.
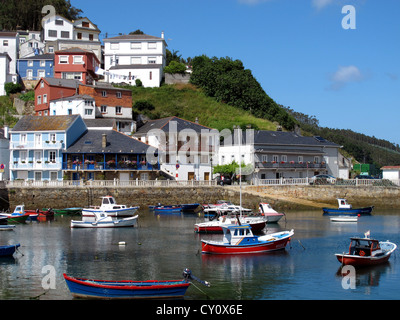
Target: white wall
{"x": 61, "y": 107}
{"x": 50, "y": 24}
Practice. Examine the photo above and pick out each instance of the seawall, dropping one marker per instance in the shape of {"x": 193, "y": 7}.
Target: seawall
{"x": 281, "y": 197}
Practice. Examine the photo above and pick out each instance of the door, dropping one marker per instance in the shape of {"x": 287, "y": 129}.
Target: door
{"x": 206, "y": 176}
{"x": 38, "y": 158}
{"x": 190, "y": 175}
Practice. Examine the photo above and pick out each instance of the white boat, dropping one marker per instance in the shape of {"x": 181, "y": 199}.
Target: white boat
{"x": 224, "y": 207}
{"x": 216, "y": 226}
{"x": 7, "y": 227}
{"x": 102, "y": 220}
{"x": 344, "y": 219}
{"x": 270, "y": 215}
{"x": 111, "y": 208}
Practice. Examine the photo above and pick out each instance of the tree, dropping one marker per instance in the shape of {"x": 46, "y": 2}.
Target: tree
{"x": 175, "y": 67}
{"x": 138, "y": 31}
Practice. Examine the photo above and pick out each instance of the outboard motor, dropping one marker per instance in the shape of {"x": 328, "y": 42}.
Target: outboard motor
{"x": 187, "y": 274}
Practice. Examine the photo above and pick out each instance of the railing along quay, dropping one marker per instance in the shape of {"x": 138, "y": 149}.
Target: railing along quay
{"x": 194, "y": 183}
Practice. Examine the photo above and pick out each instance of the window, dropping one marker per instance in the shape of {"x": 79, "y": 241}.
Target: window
{"x": 42, "y": 84}
{"x": 152, "y": 60}
{"x": 85, "y": 24}
{"x": 284, "y": 158}
{"x": 72, "y": 75}
{"x": 29, "y": 74}
{"x": 78, "y": 60}
{"x": 5, "y": 43}
{"x": 152, "y": 45}
{"x": 42, "y": 63}
{"x": 79, "y": 35}
{"x": 89, "y": 103}
{"x": 41, "y": 73}
{"x": 300, "y": 159}
{"x": 136, "y": 60}
{"x": 59, "y": 22}
{"x": 52, "y": 137}
{"x": 45, "y": 98}
{"x": 39, "y": 99}
{"x": 103, "y": 109}
{"x": 22, "y": 156}
{"x": 88, "y": 112}
{"x": 114, "y": 45}
{"x": 52, "y": 156}
{"x": 136, "y": 45}
{"x": 30, "y": 63}
{"x": 65, "y": 34}
{"x": 63, "y": 60}
{"x": 91, "y": 37}
{"x": 23, "y": 138}
{"x": 275, "y": 158}
{"x": 52, "y": 33}
{"x": 45, "y": 112}
{"x": 316, "y": 159}
{"x": 118, "y": 110}
{"x": 104, "y": 93}
{"x": 119, "y": 94}
{"x": 151, "y": 75}
{"x": 51, "y": 49}
{"x": 264, "y": 157}
{"x": 53, "y": 175}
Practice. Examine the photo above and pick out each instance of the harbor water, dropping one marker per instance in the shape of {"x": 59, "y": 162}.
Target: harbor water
{"x": 162, "y": 246}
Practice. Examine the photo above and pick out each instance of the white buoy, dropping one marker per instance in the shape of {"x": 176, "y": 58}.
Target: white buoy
{"x": 121, "y": 243}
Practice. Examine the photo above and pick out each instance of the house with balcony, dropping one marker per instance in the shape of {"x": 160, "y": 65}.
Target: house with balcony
{"x": 279, "y": 154}
{"x": 135, "y": 56}
{"x": 186, "y": 149}
{"x": 37, "y": 145}
{"x": 31, "y": 69}
{"x": 106, "y": 154}
{"x": 76, "y": 64}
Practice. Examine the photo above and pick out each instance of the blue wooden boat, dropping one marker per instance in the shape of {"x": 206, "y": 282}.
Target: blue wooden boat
{"x": 128, "y": 289}
{"x": 174, "y": 209}
{"x": 8, "y": 251}
{"x": 345, "y": 208}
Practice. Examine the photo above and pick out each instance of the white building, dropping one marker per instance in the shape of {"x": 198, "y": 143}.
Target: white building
{"x": 84, "y": 105}
{"x": 9, "y": 43}
{"x": 5, "y": 75}
{"x": 391, "y": 173}
{"x": 30, "y": 44}
{"x": 137, "y": 56}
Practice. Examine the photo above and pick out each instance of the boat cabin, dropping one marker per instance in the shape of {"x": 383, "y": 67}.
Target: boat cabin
{"x": 19, "y": 209}
{"x": 266, "y": 208}
{"x": 108, "y": 202}
{"x": 238, "y": 234}
{"x": 364, "y": 247}
{"x": 343, "y": 204}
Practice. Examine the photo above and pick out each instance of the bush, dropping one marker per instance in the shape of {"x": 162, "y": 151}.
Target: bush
{"x": 175, "y": 67}
{"x": 138, "y": 83}
{"x": 12, "y": 88}
{"x": 143, "y": 105}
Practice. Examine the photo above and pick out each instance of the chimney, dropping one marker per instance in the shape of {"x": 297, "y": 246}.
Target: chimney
{"x": 104, "y": 141}
{"x": 162, "y": 35}
{"x": 196, "y": 120}
{"x": 6, "y": 132}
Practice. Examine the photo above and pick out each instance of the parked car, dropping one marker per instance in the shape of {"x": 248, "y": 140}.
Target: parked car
{"x": 322, "y": 179}
{"x": 223, "y": 180}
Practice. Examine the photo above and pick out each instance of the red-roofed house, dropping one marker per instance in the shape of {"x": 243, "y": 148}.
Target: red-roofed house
{"x": 76, "y": 64}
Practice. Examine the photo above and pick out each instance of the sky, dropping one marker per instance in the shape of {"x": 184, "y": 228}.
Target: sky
{"x": 323, "y": 58}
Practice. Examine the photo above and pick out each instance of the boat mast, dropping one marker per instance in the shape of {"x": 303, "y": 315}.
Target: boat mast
{"x": 240, "y": 171}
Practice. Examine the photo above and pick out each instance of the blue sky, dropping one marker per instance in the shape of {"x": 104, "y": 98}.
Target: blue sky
{"x": 297, "y": 50}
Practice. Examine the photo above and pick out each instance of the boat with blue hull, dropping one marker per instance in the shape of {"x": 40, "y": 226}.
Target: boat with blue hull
{"x": 128, "y": 289}
{"x": 344, "y": 208}
{"x": 173, "y": 209}
{"x": 190, "y": 207}
{"x": 8, "y": 251}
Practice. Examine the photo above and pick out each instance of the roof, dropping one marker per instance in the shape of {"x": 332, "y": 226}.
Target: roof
{"x": 134, "y": 37}
{"x": 390, "y": 168}
{"x": 46, "y": 123}
{"x": 117, "y": 142}
{"x": 46, "y": 56}
{"x": 55, "y": 82}
{"x": 75, "y": 97}
{"x": 137, "y": 66}
{"x": 74, "y": 50}
{"x": 100, "y": 123}
{"x": 289, "y": 138}
{"x": 164, "y": 125}
{"x": 8, "y": 34}
{"x": 104, "y": 85}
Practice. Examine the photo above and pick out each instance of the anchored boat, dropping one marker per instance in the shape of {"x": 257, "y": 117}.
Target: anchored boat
{"x": 111, "y": 208}
{"x": 102, "y": 220}
{"x": 344, "y": 208}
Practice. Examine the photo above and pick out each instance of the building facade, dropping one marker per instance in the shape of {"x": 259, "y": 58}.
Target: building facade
{"x": 131, "y": 57}
{"x": 31, "y": 69}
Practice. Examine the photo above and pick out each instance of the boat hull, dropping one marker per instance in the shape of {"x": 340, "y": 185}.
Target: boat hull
{"x": 126, "y": 222}
{"x": 125, "y": 212}
{"x": 353, "y": 212}
{"x": 246, "y": 247}
{"x": 273, "y": 218}
{"x": 18, "y": 218}
{"x": 167, "y": 209}
{"x": 103, "y": 289}
{"x": 353, "y": 260}
{"x": 8, "y": 251}
{"x": 215, "y": 227}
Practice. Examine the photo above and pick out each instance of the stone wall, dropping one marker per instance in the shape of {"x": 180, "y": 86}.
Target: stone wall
{"x": 171, "y": 78}
{"x": 281, "y": 197}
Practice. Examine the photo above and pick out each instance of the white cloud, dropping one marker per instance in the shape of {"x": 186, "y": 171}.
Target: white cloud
{"x": 320, "y": 4}
{"x": 345, "y": 75}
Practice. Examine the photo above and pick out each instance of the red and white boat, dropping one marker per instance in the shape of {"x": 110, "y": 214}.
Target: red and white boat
{"x": 270, "y": 215}
{"x": 239, "y": 239}
{"x": 216, "y": 226}
{"x": 366, "y": 252}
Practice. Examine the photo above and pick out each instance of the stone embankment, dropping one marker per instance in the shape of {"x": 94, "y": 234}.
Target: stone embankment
{"x": 281, "y": 197}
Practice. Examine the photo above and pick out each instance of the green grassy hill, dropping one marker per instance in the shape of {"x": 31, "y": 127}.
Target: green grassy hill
{"x": 189, "y": 102}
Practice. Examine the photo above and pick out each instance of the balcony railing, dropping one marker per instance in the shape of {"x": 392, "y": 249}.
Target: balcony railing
{"x": 290, "y": 165}
{"x": 40, "y": 146}
{"x": 37, "y": 165}
{"x": 100, "y": 166}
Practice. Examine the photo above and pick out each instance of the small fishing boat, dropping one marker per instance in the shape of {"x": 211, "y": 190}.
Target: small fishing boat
{"x": 8, "y": 251}
{"x": 102, "y": 220}
{"x": 41, "y": 215}
{"x": 19, "y": 215}
{"x": 68, "y": 211}
{"x": 224, "y": 207}
{"x": 270, "y": 215}
{"x": 366, "y": 252}
{"x": 239, "y": 239}
{"x": 344, "y": 208}
{"x": 109, "y": 206}
{"x": 190, "y": 207}
{"x": 7, "y": 227}
{"x": 215, "y": 226}
{"x": 344, "y": 219}
{"x": 128, "y": 289}
{"x": 173, "y": 209}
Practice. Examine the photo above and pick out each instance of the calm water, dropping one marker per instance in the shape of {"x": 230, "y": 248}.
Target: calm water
{"x": 162, "y": 246}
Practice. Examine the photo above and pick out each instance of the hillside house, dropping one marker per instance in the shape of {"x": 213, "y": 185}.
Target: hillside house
{"x": 4, "y": 153}
{"x": 186, "y": 149}
{"x": 83, "y": 105}
{"x": 391, "y": 173}
{"x": 5, "y": 75}
{"x": 31, "y": 69}
{"x": 76, "y": 64}
{"x": 37, "y": 145}
{"x": 137, "y": 56}
{"x": 9, "y": 43}
{"x": 30, "y": 44}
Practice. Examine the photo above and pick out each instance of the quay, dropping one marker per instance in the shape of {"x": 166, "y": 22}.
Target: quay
{"x": 39, "y": 194}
